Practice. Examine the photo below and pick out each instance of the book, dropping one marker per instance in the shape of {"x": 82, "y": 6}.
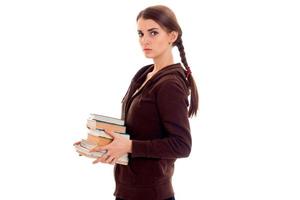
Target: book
{"x": 101, "y": 141}
{"x": 94, "y": 125}
{"x": 102, "y": 133}
{"x": 107, "y": 119}
{"x": 101, "y": 137}
{"x": 99, "y": 133}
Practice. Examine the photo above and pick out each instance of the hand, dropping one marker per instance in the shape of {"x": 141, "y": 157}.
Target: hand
{"x": 117, "y": 148}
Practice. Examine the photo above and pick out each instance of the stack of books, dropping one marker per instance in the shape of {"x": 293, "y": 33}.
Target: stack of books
{"x": 96, "y": 136}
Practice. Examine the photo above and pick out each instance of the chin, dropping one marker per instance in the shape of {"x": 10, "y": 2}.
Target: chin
{"x": 149, "y": 56}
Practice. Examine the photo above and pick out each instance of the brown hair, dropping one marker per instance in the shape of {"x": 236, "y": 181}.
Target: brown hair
{"x": 166, "y": 18}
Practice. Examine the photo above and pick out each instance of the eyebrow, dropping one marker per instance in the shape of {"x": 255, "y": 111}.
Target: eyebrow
{"x": 151, "y": 29}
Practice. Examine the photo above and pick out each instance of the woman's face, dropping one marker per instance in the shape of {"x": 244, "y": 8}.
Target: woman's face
{"x": 153, "y": 39}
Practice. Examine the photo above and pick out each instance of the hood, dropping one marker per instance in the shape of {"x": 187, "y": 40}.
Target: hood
{"x": 138, "y": 79}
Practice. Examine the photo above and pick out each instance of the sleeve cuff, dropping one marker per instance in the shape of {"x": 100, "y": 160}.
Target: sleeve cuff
{"x": 139, "y": 148}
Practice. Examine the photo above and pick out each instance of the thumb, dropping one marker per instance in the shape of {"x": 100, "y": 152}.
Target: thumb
{"x": 111, "y": 133}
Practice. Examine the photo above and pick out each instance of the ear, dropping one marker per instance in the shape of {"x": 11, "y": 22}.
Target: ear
{"x": 173, "y": 36}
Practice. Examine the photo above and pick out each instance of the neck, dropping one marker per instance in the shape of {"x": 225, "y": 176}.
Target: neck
{"x": 162, "y": 61}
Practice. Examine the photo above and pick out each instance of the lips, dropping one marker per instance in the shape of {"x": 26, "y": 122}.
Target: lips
{"x": 146, "y": 49}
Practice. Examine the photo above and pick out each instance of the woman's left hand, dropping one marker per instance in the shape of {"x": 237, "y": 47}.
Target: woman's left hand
{"x": 117, "y": 148}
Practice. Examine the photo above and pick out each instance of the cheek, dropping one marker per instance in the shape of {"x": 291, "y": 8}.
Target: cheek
{"x": 162, "y": 41}
{"x": 161, "y": 44}
{"x": 140, "y": 41}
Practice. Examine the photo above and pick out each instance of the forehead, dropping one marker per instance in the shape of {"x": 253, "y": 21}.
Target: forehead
{"x": 146, "y": 24}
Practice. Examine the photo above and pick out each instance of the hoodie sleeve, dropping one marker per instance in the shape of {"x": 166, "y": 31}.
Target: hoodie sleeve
{"x": 172, "y": 104}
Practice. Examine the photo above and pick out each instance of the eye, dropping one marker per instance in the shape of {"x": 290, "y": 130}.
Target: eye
{"x": 153, "y": 33}
{"x": 140, "y": 34}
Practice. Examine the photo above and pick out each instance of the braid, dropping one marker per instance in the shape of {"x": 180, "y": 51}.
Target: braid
{"x": 192, "y": 85}
{"x": 182, "y": 52}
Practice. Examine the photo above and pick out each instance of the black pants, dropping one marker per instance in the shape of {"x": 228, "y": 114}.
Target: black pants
{"x": 172, "y": 198}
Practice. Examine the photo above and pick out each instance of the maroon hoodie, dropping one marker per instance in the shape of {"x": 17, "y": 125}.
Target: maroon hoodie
{"x": 156, "y": 117}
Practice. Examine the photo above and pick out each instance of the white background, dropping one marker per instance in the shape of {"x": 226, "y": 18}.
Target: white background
{"x": 61, "y": 60}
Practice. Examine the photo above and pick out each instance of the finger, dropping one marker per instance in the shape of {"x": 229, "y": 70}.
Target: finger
{"x": 98, "y": 148}
{"x": 111, "y": 133}
{"x": 114, "y": 161}
{"x": 76, "y": 143}
{"x": 97, "y": 160}
{"x": 103, "y": 159}
{"x": 106, "y": 157}
{"x": 110, "y": 159}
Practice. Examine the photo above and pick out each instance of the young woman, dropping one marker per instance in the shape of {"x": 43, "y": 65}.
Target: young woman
{"x": 156, "y": 111}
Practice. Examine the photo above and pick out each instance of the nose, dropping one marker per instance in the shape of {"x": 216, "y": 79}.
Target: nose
{"x": 144, "y": 40}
